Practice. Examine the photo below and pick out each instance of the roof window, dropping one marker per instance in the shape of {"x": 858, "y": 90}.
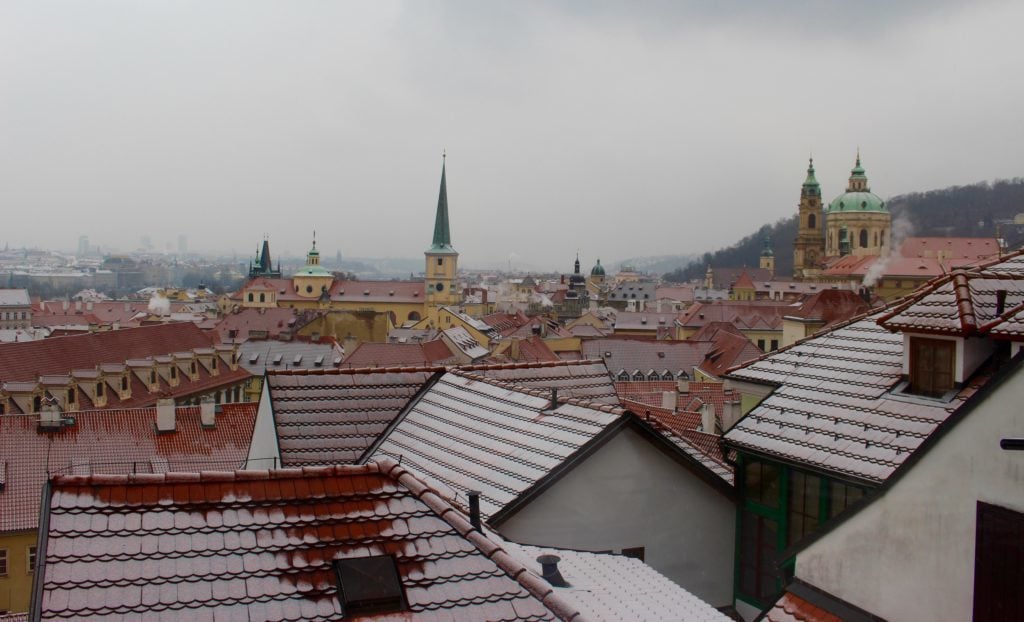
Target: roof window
{"x": 369, "y": 585}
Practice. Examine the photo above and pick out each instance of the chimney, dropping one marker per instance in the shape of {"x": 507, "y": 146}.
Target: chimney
{"x": 49, "y": 415}
{"x": 668, "y": 400}
{"x": 208, "y": 412}
{"x": 549, "y": 570}
{"x": 127, "y": 307}
{"x": 684, "y": 385}
{"x": 554, "y": 398}
{"x": 88, "y": 306}
{"x": 707, "y": 418}
{"x": 65, "y": 305}
{"x": 78, "y": 305}
{"x": 165, "y": 415}
{"x": 474, "y": 508}
{"x": 1000, "y": 301}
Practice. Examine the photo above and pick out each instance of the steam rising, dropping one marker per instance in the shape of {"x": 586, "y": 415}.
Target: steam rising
{"x": 158, "y": 305}
{"x": 902, "y": 229}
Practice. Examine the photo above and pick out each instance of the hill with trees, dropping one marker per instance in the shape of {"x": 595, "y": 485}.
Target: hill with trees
{"x": 986, "y": 209}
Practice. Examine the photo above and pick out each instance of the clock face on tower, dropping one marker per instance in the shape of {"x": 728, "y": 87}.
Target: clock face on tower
{"x": 439, "y": 287}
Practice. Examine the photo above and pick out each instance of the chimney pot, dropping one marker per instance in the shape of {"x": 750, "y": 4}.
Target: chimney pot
{"x": 165, "y": 415}
{"x": 554, "y": 397}
{"x": 208, "y": 412}
{"x": 474, "y": 508}
{"x": 549, "y": 570}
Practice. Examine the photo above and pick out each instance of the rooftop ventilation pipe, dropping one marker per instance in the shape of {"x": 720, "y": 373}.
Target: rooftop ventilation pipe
{"x": 549, "y": 570}
{"x": 1000, "y": 301}
{"x": 474, "y": 508}
{"x": 554, "y": 397}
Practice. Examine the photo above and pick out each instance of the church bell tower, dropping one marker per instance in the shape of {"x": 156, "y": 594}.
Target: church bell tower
{"x": 441, "y": 259}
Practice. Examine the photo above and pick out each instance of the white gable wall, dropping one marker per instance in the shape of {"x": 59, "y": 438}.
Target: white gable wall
{"x": 909, "y": 555}
{"x": 630, "y": 494}
{"x": 263, "y": 451}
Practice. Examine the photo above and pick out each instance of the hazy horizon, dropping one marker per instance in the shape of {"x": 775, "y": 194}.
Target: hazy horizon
{"x": 615, "y": 130}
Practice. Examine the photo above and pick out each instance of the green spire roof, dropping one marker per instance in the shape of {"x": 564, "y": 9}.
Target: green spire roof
{"x": 597, "y": 270}
{"x": 766, "y": 249}
{"x": 442, "y": 233}
{"x": 811, "y": 179}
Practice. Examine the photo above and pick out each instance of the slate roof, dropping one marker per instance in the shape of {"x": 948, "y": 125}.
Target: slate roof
{"x": 112, "y": 441}
{"x": 28, "y": 360}
{"x": 14, "y": 298}
{"x": 832, "y": 408}
{"x": 333, "y": 417}
{"x": 614, "y": 588}
{"x": 636, "y": 354}
{"x": 468, "y": 432}
{"x": 461, "y": 338}
{"x": 259, "y": 356}
{"x": 643, "y": 320}
{"x": 585, "y": 379}
{"x": 965, "y": 303}
{"x": 260, "y": 545}
{"x": 369, "y": 354}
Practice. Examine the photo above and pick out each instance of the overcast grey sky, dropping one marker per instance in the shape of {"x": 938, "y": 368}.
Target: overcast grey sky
{"x": 614, "y": 128}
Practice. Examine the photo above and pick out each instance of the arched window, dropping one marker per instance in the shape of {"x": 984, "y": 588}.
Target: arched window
{"x": 414, "y": 316}
{"x": 250, "y": 296}
{"x": 883, "y": 238}
{"x": 863, "y": 238}
{"x": 263, "y": 297}
{"x": 812, "y": 221}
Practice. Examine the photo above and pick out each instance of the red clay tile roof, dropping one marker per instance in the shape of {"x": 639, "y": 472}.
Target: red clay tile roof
{"x": 953, "y": 248}
{"x": 725, "y": 277}
{"x": 506, "y": 323}
{"x": 585, "y": 379}
{"x": 399, "y": 354}
{"x": 745, "y": 315}
{"x": 106, "y": 312}
{"x": 534, "y": 349}
{"x": 468, "y": 432}
{"x": 743, "y": 282}
{"x": 680, "y": 428}
{"x": 250, "y": 320}
{"x": 334, "y": 416}
{"x": 829, "y": 307}
{"x": 729, "y": 347}
{"x": 112, "y": 441}
{"x": 28, "y": 360}
{"x": 260, "y": 545}
{"x": 792, "y": 608}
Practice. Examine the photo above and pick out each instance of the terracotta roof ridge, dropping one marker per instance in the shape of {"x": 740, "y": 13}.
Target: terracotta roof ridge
{"x": 526, "y": 365}
{"x": 542, "y": 393}
{"x": 1006, "y": 315}
{"x": 446, "y": 510}
{"x": 238, "y": 475}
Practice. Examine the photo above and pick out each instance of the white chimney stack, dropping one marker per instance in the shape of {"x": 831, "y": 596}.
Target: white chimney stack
{"x": 49, "y": 415}
{"x": 207, "y": 412}
{"x": 78, "y": 305}
{"x": 65, "y": 305}
{"x": 707, "y": 418}
{"x": 668, "y": 400}
{"x": 165, "y": 414}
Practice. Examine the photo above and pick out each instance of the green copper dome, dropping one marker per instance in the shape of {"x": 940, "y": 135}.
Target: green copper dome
{"x": 858, "y": 196}
{"x": 597, "y": 270}
{"x": 313, "y": 270}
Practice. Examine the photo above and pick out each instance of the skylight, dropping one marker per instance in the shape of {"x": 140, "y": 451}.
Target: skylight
{"x": 369, "y": 585}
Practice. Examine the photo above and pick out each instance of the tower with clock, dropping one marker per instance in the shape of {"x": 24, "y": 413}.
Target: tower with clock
{"x": 441, "y": 259}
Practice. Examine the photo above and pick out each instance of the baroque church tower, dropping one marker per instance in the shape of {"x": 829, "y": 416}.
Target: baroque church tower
{"x": 809, "y": 246}
{"x": 441, "y": 259}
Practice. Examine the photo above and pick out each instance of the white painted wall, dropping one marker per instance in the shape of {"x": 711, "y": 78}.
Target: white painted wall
{"x": 630, "y": 494}
{"x": 263, "y": 451}
{"x": 910, "y": 554}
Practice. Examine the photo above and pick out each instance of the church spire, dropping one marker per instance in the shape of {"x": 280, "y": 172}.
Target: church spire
{"x": 442, "y": 233}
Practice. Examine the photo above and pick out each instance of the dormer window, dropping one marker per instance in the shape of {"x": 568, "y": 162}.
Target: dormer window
{"x": 192, "y": 368}
{"x": 124, "y": 383}
{"x": 369, "y": 585}
{"x": 932, "y": 370}
{"x": 174, "y": 373}
{"x": 99, "y": 389}
{"x": 152, "y": 377}
{"x": 213, "y": 364}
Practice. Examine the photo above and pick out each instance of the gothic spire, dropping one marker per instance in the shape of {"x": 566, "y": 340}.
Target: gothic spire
{"x": 442, "y": 232}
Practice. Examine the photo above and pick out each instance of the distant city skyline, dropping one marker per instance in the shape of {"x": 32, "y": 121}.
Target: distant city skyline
{"x": 618, "y": 131}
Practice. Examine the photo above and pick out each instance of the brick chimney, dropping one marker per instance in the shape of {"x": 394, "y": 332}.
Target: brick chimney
{"x": 165, "y": 415}
{"x": 208, "y": 412}
{"x": 707, "y": 418}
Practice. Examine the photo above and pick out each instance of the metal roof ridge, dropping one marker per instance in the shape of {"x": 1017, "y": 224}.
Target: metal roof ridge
{"x": 348, "y": 371}
{"x": 542, "y": 393}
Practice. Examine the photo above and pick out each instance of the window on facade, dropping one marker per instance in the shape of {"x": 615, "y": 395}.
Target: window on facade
{"x": 192, "y": 367}
{"x": 758, "y": 545}
{"x": 152, "y": 377}
{"x": 414, "y": 316}
{"x": 931, "y": 366}
{"x": 124, "y": 383}
{"x": 37, "y": 404}
{"x": 99, "y": 389}
{"x": 812, "y": 221}
{"x": 863, "y": 238}
{"x": 174, "y": 373}
{"x": 71, "y": 396}
{"x": 250, "y": 296}
{"x": 841, "y": 497}
{"x": 624, "y": 375}
{"x": 3, "y": 562}
{"x": 760, "y": 345}
{"x": 761, "y": 483}
{"x": 998, "y": 564}
{"x": 30, "y": 559}
{"x": 309, "y": 289}
{"x": 213, "y": 363}
{"x": 804, "y": 504}
{"x": 369, "y": 585}
{"x": 263, "y": 297}
{"x": 440, "y": 261}
{"x": 775, "y": 344}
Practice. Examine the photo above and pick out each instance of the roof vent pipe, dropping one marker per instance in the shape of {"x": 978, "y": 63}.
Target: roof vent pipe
{"x": 1000, "y": 301}
{"x": 549, "y": 570}
{"x": 554, "y": 397}
{"x": 474, "y": 508}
